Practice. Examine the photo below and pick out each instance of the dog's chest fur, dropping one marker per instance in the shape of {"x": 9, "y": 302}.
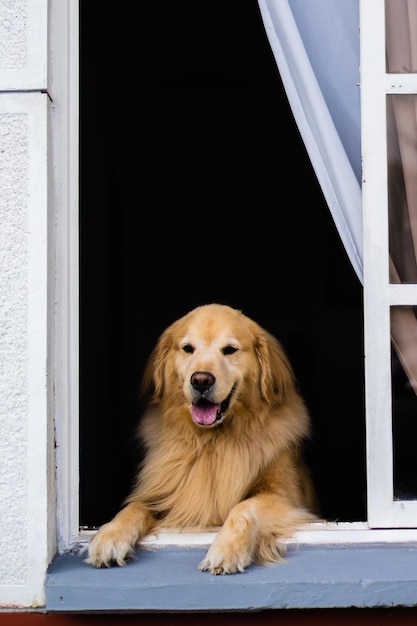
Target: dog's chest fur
{"x": 196, "y": 478}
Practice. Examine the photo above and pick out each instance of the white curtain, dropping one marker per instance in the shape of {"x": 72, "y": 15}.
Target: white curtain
{"x": 327, "y": 153}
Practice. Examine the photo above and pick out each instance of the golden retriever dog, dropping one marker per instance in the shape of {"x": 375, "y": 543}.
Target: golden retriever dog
{"x": 223, "y": 434}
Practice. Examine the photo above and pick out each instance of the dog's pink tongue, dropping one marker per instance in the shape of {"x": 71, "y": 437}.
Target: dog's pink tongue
{"x": 205, "y": 415}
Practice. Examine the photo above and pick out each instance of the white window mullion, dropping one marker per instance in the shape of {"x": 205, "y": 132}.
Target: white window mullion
{"x": 375, "y": 233}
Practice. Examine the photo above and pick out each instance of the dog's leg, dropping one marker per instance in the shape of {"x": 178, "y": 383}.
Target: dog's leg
{"x": 116, "y": 540}
{"x": 253, "y": 531}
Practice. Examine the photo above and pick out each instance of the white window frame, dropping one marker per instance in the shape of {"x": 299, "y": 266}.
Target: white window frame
{"x": 388, "y": 520}
{"x": 379, "y": 294}
{"x": 64, "y": 90}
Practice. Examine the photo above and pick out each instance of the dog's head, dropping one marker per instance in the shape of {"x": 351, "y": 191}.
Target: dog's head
{"x": 214, "y": 358}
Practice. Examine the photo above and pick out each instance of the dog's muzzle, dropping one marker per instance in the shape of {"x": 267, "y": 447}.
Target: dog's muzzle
{"x": 204, "y": 411}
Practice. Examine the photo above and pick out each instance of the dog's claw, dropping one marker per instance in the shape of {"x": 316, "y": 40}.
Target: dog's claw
{"x": 221, "y": 569}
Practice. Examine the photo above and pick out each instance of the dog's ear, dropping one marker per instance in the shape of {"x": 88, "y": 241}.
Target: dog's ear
{"x": 276, "y": 373}
{"x": 153, "y": 379}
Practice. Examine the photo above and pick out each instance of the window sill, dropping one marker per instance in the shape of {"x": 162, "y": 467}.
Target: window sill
{"x": 167, "y": 579}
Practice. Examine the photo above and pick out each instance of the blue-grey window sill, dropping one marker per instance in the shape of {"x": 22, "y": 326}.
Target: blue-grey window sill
{"x": 167, "y": 579}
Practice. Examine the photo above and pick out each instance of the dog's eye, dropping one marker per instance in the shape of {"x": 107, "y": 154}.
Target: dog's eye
{"x": 229, "y": 350}
{"x": 188, "y": 348}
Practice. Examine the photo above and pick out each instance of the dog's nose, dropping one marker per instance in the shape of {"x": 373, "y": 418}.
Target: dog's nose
{"x": 201, "y": 381}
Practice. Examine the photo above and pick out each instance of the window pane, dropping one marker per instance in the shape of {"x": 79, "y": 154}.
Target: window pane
{"x": 404, "y": 400}
{"x": 401, "y": 36}
{"x": 402, "y": 186}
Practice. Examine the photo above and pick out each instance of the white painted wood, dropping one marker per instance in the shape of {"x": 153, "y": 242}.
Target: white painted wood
{"x": 64, "y": 92}
{"x": 400, "y": 83}
{"x": 375, "y": 220}
{"x": 379, "y": 295}
{"x": 402, "y": 294}
{"x": 317, "y": 534}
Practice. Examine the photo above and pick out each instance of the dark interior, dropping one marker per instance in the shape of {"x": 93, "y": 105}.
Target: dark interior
{"x": 196, "y": 188}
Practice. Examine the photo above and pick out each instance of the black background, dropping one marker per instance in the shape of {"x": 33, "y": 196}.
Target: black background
{"x": 196, "y": 187}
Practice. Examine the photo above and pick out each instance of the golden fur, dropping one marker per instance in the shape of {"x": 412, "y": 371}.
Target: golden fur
{"x": 223, "y": 434}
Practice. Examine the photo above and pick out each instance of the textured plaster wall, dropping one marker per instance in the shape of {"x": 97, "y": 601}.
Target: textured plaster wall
{"x": 13, "y": 34}
{"x": 13, "y": 307}
{"x": 23, "y": 302}
{"x": 13, "y": 347}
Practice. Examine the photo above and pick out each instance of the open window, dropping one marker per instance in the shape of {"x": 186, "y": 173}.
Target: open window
{"x": 196, "y": 187}
{"x": 177, "y": 189}
{"x": 163, "y": 182}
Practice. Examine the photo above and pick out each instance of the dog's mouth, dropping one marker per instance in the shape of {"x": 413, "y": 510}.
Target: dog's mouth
{"x": 206, "y": 413}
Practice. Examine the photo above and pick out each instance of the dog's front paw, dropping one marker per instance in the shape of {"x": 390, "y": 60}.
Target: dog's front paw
{"x": 110, "y": 545}
{"x": 225, "y": 558}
